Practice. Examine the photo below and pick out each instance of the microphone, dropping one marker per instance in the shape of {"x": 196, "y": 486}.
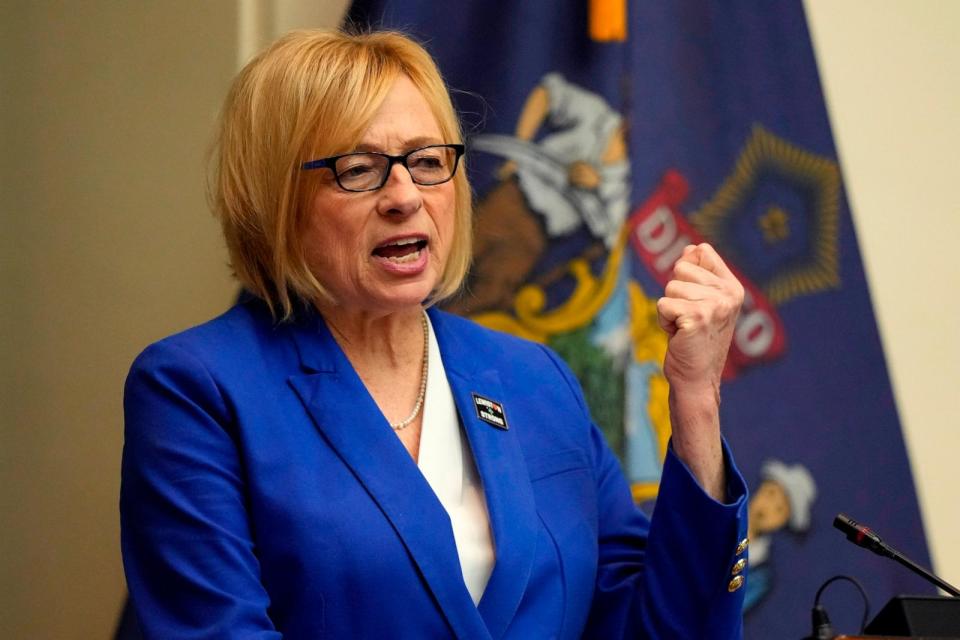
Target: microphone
{"x": 863, "y": 536}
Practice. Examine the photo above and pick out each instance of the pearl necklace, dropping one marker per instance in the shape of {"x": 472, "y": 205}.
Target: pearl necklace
{"x": 397, "y": 426}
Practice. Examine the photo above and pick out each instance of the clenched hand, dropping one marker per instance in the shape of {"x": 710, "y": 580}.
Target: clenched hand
{"x": 699, "y": 311}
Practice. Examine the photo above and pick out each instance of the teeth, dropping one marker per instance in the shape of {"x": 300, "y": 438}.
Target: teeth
{"x": 405, "y": 241}
{"x": 410, "y": 257}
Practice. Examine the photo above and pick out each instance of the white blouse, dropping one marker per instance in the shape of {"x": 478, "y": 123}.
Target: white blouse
{"x": 447, "y": 463}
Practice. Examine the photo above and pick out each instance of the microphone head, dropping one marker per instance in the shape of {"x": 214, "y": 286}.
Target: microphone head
{"x": 861, "y": 535}
{"x": 846, "y": 524}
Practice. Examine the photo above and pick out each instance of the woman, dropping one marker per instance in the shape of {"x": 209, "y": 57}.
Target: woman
{"x": 330, "y": 459}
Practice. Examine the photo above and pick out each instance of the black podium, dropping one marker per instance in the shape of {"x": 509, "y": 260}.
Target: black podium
{"x": 918, "y": 617}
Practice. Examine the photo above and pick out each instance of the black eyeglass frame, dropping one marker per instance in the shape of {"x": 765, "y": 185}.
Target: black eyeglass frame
{"x": 331, "y": 163}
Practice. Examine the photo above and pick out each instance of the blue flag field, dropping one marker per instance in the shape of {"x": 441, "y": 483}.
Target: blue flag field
{"x": 594, "y": 163}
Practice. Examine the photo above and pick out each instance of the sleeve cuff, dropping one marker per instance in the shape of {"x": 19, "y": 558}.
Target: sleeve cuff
{"x": 735, "y": 488}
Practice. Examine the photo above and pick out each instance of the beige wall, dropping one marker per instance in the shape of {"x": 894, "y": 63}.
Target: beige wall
{"x": 890, "y": 71}
{"x": 106, "y": 246}
{"x": 106, "y": 110}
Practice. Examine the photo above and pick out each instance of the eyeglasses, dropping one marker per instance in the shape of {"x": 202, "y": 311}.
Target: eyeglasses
{"x": 368, "y": 171}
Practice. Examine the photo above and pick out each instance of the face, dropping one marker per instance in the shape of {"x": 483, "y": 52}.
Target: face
{"x": 769, "y": 508}
{"x": 384, "y": 251}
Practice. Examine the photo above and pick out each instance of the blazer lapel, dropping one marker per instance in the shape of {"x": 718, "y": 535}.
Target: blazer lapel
{"x": 350, "y": 421}
{"x": 502, "y": 468}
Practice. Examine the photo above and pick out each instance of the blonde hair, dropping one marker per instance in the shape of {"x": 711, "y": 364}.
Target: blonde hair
{"x": 312, "y": 94}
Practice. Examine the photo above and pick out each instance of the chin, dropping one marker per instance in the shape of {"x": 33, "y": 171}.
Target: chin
{"x": 403, "y": 297}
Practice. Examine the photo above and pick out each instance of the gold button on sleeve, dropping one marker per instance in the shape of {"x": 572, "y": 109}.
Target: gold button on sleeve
{"x": 742, "y": 546}
{"x": 735, "y": 584}
{"x": 738, "y": 566}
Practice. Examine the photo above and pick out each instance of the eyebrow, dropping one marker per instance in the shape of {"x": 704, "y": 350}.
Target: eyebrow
{"x": 411, "y": 143}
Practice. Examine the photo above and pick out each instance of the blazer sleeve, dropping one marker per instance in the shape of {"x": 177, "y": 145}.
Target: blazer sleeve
{"x": 669, "y": 577}
{"x": 187, "y": 546}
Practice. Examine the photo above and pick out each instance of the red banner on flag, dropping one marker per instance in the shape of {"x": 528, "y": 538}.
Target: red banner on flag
{"x": 658, "y": 234}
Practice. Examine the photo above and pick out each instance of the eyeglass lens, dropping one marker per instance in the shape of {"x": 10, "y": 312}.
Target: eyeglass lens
{"x": 427, "y": 166}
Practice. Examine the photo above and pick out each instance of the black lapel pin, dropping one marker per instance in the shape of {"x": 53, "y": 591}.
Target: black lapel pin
{"x": 490, "y": 412}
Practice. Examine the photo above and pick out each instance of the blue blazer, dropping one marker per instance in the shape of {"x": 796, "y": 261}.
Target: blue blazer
{"x": 264, "y": 496}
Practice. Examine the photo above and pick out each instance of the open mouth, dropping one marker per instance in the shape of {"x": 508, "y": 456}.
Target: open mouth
{"x": 400, "y": 251}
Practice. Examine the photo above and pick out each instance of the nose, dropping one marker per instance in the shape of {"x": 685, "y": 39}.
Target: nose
{"x": 399, "y": 195}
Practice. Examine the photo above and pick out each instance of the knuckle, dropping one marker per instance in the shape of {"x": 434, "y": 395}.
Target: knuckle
{"x": 738, "y": 291}
{"x": 725, "y": 309}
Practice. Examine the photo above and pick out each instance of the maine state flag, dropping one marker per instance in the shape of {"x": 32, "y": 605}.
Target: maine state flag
{"x": 604, "y": 136}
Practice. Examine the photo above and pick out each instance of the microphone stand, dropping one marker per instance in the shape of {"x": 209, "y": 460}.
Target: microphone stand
{"x": 863, "y": 536}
